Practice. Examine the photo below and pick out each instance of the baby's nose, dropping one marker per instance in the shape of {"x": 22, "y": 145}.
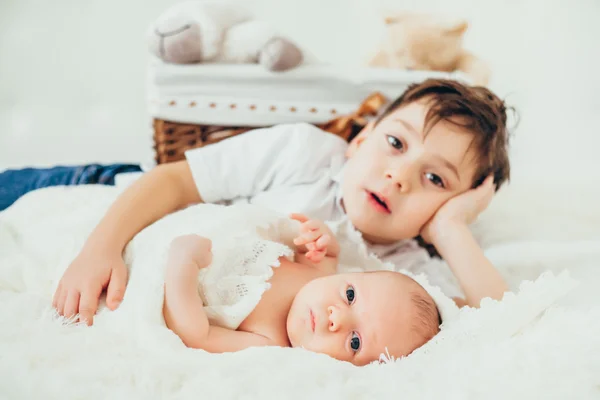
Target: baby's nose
{"x": 336, "y": 318}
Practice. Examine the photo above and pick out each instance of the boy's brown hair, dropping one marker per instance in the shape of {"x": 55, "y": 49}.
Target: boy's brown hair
{"x": 473, "y": 108}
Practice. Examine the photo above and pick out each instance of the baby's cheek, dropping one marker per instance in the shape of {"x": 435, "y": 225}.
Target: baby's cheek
{"x": 325, "y": 345}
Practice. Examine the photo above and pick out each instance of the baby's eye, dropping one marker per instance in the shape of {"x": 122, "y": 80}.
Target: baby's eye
{"x": 436, "y": 180}
{"x": 355, "y": 342}
{"x": 395, "y": 142}
{"x": 350, "y": 294}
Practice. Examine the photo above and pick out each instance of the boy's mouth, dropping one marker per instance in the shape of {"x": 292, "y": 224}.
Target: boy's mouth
{"x": 379, "y": 202}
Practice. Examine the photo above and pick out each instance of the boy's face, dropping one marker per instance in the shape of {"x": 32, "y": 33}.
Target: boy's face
{"x": 354, "y": 317}
{"x": 397, "y": 177}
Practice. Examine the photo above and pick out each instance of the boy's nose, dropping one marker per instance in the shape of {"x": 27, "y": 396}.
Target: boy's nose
{"x": 400, "y": 179}
{"x": 337, "y": 318}
{"x": 403, "y": 172}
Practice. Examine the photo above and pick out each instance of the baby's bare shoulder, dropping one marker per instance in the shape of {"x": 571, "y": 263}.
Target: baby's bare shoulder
{"x": 269, "y": 318}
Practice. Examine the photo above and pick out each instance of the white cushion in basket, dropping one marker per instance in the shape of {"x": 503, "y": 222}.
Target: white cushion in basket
{"x": 248, "y": 95}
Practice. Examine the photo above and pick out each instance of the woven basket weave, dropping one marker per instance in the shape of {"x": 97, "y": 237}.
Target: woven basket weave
{"x": 173, "y": 139}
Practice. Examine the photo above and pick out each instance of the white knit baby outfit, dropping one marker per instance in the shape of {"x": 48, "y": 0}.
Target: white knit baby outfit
{"x": 247, "y": 242}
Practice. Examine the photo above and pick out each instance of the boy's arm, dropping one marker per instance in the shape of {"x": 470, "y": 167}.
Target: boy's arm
{"x": 221, "y": 171}
{"x": 161, "y": 191}
{"x": 100, "y": 264}
{"x": 448, "y": 231}
{"x": 477, "y": 276}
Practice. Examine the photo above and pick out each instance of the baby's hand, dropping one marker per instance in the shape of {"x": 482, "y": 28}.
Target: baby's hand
{"x": 316, "y": 237}
{"x": 193, "y": 248}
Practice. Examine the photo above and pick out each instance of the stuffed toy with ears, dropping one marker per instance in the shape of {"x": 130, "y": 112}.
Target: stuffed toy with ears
{"x": 219, "y": 32}
{"x": 425, "y": 42}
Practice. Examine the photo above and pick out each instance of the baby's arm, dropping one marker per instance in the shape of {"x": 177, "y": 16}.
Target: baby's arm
{"x": 183, "y": 309}
{"x": 449, "y": 233}
{"x": 317, "y": 245}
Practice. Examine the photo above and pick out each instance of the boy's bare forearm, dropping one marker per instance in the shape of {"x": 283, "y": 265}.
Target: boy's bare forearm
{"x": 475, "y": 273}
{"x": 157, "y": 193}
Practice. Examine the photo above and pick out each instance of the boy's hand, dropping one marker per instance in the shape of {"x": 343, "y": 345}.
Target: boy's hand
{"x": 80, "y": 288}
{"x": 460, "y": 210}
{"x": 317, "y": 238}
{"x": 193, "y": 248}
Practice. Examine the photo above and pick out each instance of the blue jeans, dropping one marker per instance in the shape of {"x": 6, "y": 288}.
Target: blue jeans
{"x": 16, "y": 183}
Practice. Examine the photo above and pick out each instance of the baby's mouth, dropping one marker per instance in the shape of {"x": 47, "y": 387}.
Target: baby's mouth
{"x": 312, "y": 320}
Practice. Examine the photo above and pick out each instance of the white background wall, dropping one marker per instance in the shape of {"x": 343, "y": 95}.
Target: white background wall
{"x": 72, "y": 73}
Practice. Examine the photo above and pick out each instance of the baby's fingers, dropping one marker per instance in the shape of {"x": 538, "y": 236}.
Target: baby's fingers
{"x": 307, "y": 237}
{"x": 311, "y": 225}
{"x": 323, "y": 242}
{"x": 299, "y": 217}
{"x": 315, "y": 256}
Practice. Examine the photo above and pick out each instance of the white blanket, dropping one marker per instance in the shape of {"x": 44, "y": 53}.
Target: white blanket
{"x": 536, "y": 344}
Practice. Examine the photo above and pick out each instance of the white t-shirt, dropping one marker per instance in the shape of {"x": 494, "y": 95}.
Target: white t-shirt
{"x": 296, "y": 168}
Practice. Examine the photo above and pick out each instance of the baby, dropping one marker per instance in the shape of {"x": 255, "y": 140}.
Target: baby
{"x": 351, "y": 317}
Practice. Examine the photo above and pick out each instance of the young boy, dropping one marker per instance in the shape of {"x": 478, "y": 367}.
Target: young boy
{"x": 426, "y": 167}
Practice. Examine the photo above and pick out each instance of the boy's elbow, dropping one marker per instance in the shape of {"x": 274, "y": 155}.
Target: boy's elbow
{"x": 475, "y": 302}
{"x": 459, "y": 301}
{"x": 181, "y": 182}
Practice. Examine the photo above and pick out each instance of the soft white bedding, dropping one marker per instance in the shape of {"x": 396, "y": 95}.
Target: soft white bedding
{"x": 543, "y": 342}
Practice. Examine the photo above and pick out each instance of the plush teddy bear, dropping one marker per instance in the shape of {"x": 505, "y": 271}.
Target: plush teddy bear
{"x": 219, "y": 32}
{"x": 427, "y": 42}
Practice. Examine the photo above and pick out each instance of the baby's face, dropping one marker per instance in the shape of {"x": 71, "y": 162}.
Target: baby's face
{"x": 354, "y": 317}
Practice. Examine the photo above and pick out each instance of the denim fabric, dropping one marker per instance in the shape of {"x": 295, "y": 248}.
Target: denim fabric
{"x": 16, "y": 183}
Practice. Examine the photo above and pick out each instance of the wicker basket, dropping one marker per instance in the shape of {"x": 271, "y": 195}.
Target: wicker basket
{"x": 173, "y": 139}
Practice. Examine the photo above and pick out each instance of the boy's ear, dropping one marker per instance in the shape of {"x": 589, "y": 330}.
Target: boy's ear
{"x": 393, "y": 18}
{"x": 358, "y": 139}
{"x": 458, "y": 28}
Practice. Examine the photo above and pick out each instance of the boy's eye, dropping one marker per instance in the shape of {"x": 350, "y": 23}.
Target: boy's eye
{"x": 355, "y": 342}
{"x": 350, "y": 294}
{"x": 395, "y": 142}
{"x": 436, "y": 180}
